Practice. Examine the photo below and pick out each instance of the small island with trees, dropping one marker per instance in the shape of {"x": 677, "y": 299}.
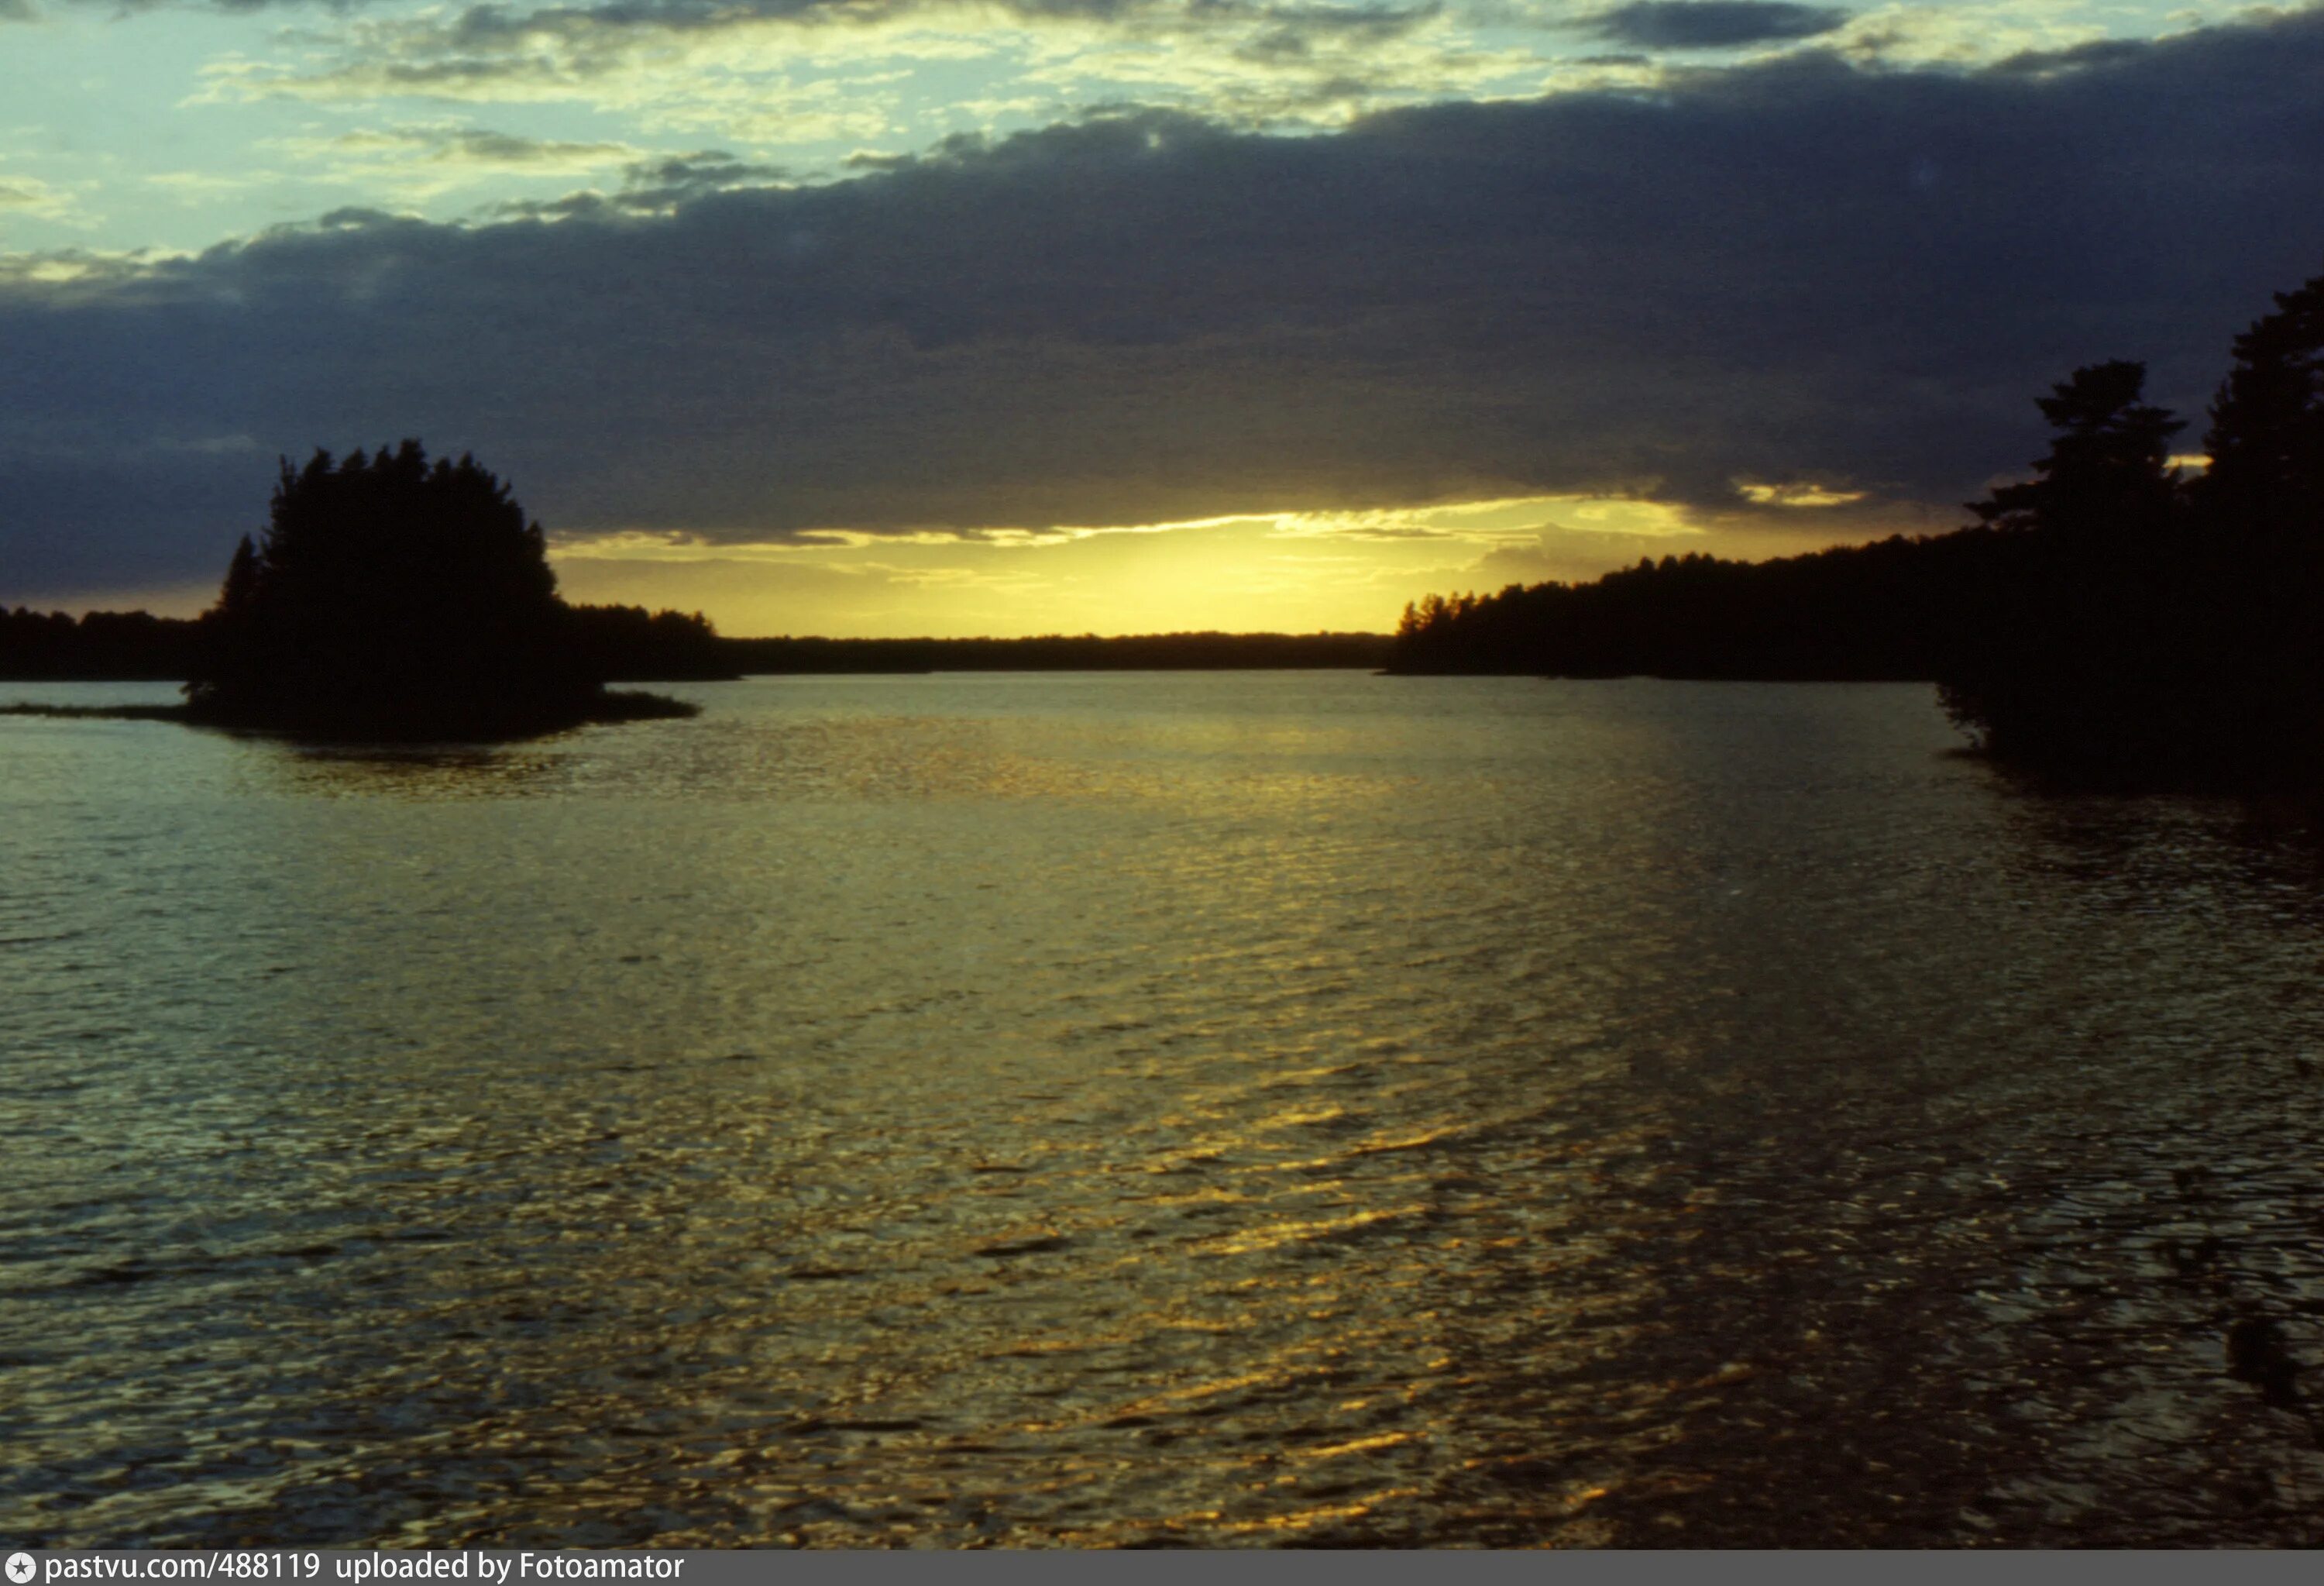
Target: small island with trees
{"x": 2114, "y": 619}
{"x": 391, "y": 598}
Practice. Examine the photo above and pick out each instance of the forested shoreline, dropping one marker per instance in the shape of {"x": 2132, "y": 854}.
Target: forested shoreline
{"x": 625, "y": 644}
{"x": 2117, "y": 616}
{"x": 1087, "y": 652}
{"x": 631, "y": 644}
{"x": 1879, "y": 612}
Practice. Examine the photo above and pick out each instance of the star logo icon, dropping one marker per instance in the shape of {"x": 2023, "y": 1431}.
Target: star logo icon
{"x": 20, "y": 1568}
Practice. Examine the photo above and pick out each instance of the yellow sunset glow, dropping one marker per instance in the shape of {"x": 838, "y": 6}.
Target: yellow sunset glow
{"x": 1797, "y": 495}
{"x": 1286, "y": 571}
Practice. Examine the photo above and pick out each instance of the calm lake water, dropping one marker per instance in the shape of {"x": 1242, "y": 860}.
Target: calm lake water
{"x": 1146, "y": 1107}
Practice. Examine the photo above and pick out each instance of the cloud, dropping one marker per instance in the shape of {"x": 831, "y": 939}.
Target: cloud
{"x": 443, "y": 49}
{"x": 30, "y": 195}
{"x": 758, "y": 71}
{"x": 414, "y": 162}
{"x": 1711, "y": 24}
{"x": 678, "y": 177}
{"x": 1802, "y": 270}
{"x": 496, "y": 151}
{"x": 653, "y": 187}
{"x": 493, "y": 24}
{"x": 418, "y": 160}
{"x": 1796, "y": 494}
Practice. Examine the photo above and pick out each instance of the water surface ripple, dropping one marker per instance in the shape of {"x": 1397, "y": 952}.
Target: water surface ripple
{"x": 1149, "y": 1108}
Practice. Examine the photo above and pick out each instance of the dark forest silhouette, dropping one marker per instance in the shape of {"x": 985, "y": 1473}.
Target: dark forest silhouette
{"x": 617, "y": 644}
{"x": 1055, "y": 652}
{"x": 387, "y": 598}
{"x": 628, "y": 644}
{"x": 392, "y": 598}
{"x": 2111, "y": 617}
{"x": 96, "y": 646}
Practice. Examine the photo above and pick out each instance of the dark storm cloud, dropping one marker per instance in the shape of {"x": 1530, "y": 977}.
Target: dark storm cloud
{"x": 1800, "y": 270}
{"x": 1710, "y": 24}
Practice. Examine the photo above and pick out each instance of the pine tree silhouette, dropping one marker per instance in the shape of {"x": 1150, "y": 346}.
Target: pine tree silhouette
{"x": 393, "y": 597}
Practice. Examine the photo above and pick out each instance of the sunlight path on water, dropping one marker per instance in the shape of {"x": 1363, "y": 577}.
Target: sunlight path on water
{"x": 1108, "y": 1109}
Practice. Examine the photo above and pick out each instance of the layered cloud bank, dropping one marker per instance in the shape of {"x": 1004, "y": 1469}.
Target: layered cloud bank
{"x": 1799, "y": 280}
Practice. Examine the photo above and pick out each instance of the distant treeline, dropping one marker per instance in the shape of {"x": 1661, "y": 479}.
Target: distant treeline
{"x": 1087, "y": 652}
{"x": 1886, "y": 612}
{"x": 616, "y": 643}
{"x": 629, "y": 644}
{"x": 100, "y": 647}
{"x": 2113, "y": 616}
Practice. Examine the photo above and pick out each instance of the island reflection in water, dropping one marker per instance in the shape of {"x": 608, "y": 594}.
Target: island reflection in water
{"x": 1126, "y": 1109}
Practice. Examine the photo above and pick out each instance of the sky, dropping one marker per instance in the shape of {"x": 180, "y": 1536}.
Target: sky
{"x": 898, "y": 317}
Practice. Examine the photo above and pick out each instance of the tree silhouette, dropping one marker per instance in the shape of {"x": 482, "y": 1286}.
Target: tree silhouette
{"x": 2075, "y": 643}
{"x": 2266, "y": 440}
{"x": 97, "y": 645}
{"x": 630, "y": 641}
{"x": 2260, "y": 508}
{"x": 2107, "y": 474}
{"x": 2104, "y": 619}
{"x": 393, "y": 597}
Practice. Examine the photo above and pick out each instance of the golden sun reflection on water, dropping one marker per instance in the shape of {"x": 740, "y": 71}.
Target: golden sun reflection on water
{"x": 1052, "y": 1110}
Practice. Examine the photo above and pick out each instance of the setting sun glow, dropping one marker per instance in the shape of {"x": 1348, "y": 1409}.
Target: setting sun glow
{"x": 1294, "y": 572}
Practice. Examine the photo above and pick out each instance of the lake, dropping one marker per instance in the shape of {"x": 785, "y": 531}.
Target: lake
{"x": 1096, "y": 1108}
